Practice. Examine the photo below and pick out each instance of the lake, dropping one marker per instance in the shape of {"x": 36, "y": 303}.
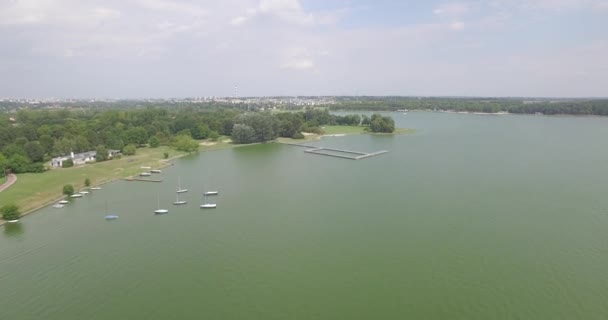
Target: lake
{"x": 471, "y": 217}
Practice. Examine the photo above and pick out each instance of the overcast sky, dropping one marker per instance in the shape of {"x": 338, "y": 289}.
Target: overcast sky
{"x": 186, "y": 48}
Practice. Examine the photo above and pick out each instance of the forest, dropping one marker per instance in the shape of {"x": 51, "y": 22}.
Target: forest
{"x": 31, "y": 138}
{"x": 486, "y": 105}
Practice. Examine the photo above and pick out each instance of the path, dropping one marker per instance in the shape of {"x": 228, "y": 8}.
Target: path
{"x": 10, "y": 179}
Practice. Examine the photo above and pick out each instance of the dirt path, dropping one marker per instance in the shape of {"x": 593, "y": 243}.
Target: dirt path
{"x": 10, "y": 179}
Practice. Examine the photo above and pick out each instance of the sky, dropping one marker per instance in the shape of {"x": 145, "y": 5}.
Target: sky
{"x": 190, "y": 48}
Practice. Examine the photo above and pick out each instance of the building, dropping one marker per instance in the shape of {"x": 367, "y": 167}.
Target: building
{"x": 80, "y": 158}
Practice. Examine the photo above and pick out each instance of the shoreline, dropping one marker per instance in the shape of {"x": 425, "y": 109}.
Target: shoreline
{"x": 165, "y": 163}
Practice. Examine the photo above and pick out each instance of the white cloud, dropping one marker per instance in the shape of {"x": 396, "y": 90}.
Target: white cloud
{"x": 457, "y": 26}
{"x": 299, "y": 64}
{"x": 452, "y": 9}
{"x": 289, "y": 11}
{"x": 176, "y": 6}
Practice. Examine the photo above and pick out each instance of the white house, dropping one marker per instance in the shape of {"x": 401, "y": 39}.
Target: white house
{"x": 80, "y": 158}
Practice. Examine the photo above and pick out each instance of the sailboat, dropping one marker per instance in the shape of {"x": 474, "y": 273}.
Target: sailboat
{"x": 179, "y": 202}
{"x": 207, "y": 204}
{"x": 159, "y": 210}
{"x": 63, "y": 202}
{"x": 211, "y": 193}
{"x": 179, "y": 186}
{"x": 110, "y": 216}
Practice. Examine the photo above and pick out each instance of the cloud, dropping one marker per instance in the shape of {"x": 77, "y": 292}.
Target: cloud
{"x": 299, "y": 64}
{"x": 452, "y": 9}
{"x": 457, "y": 26}
{"x": 177, "y": 6}
{"x": 289, "y": 11}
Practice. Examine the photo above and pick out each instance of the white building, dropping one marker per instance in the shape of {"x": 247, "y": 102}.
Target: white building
{"x": 80, "y": 158}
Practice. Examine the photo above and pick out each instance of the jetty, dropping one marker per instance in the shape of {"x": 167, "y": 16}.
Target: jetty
{"x": 142, "y": 180}
{"x": 338, "y": 153}
{"x": 345, "y": 154}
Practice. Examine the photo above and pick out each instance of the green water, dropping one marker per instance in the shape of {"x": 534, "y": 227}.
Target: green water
{"x": 472, "y": 217}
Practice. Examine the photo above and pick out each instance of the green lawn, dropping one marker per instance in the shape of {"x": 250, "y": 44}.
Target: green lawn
{"x": 343, "y": 129}
{"x": 2, "y": 179}
{"x": 33, "y": 190}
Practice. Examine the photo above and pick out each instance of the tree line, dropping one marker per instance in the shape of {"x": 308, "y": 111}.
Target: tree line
{"x": 36, "y": 136}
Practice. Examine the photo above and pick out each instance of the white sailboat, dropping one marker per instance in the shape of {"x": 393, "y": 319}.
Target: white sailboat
{"x": 110, "y": 216}
{"x": 63, "y": 202}
{"x": 211, "y": 193}
{"x": 159, "y": 210}
{"x": 207, "y": 204}
{"x": 95, "y": 188}
{"x": 156, "y": 171}
{"x": 179, "y": 202}
{"x": 179, "y": 186}
{"x": 58, "y": 206}
{"x": 145, "y": 174}
{"x": 76, "y": 195}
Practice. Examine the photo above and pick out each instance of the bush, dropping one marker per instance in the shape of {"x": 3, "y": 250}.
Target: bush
{"x": 67, "y": 163}
{"x": 10, "y": 212}
{"x": 166, "y": 155}
{"x": 68, "y": 190}
{"x": 87, "y": 182}
{"x": 129, "y": 150}
{"x": 214, "y": 135}
{"x": 298, "y": 135}
{"x": 154, "y": 142}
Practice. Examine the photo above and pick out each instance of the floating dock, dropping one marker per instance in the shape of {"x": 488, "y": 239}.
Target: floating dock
{"x": 346, "y": 154}
{"x": 143, "y": 180}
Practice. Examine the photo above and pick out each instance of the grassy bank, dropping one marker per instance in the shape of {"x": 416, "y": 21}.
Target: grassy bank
{"x": 343, "y": 129}
{"x": 33, "y": 190}
{"x": 2, "y": 180}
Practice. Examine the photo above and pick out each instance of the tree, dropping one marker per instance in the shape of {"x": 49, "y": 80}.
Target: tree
{"x": 101, "y": 153}
{"x": 68, "y": 190}
{"x": 242, "y": 133}
{"x": 3, "y": 165}
{"x": 47, "y": 142}
{"x": 382, "y": 124}
{"x": 166, "y": 155}
{"x": 10, "y": 212}
{"x": 154, "y": 142}
{"x": 185, "y": 143}
{"x": 87, "y": 182}
{"x": 34, "y": 151}
{"x": 137, "y": 136}
{"x": 18, "y": 163}
{"x": 67, "y": 163}
{"x": 129, "y": 150}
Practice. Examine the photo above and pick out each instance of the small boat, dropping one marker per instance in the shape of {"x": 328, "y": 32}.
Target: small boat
{"x": 179, "y": 202}
{"x": 156, "y": 171}
{"x": 159, "y": 210}
{"x": 58, "y": 206}
{"x": 84, "y": 192}
{"x": 110, "y": 216}
{"x": 179, "y": 186}
{"x": 208, "y": 205}
{"x": 63, "y": 202}
{"x": 145, "y": 174}
{"x": 211, "y": 193}
{"x": 13, "y": 221}
{"x": 76, "y": 195}
{"x": 95, "y": 188}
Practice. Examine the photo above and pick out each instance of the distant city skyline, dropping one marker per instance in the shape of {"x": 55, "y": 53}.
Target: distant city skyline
{"x": 161, "y": 49}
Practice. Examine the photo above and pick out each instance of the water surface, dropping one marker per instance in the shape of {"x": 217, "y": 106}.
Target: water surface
{"x": 471, "y": 217}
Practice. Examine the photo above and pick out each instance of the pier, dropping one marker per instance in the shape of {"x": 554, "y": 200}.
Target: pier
{"x": 345, "y": 154}
{"x": 142, "y": 180}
